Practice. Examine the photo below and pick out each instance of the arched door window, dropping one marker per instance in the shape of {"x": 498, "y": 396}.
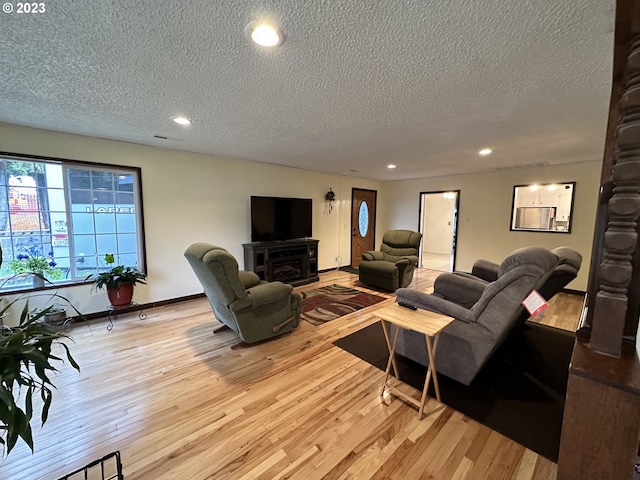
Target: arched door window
{"x": 363, "y": 219}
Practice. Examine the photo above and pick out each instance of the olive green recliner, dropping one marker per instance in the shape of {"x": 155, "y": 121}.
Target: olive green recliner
{"x": 255, "y": 309}
{"x": 392, "y": 266}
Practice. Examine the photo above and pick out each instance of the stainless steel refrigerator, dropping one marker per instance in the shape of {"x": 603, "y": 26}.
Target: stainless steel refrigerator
{"x": 535, "y": 218}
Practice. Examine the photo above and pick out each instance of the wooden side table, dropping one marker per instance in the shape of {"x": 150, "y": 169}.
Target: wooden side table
{"x": 422, "y": 321}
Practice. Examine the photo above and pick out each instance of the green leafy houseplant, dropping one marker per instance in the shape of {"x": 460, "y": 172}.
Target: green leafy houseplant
{"x": 116, "y": 276}
{"x": 26, "y": 361}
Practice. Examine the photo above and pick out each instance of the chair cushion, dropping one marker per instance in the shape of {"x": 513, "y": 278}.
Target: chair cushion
{"x": 485, "y": 270}
{"x": 400, "y": 243}
{"x": 249, "y": 279}
{"x": 402, "y": 238}
{"x": 460, "y": 289}
{"x": 568, "y": 256}
{"x": 378, "y": 267}
{"x": 528, "y": 256}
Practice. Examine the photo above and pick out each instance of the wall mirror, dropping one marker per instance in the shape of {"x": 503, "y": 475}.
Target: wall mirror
{"x": 543, "y": 207}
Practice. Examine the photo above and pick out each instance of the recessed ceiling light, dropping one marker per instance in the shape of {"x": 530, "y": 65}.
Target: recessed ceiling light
{"x": 391, "y": 166}
{"x": 180, "y": 120}
{"x": 264, "y": 34}
{"x": 485, "y": 151}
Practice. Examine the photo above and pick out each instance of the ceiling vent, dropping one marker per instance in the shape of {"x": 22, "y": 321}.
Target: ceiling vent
{"x": 171, "y": 139}
{"x": 519, "y": 167}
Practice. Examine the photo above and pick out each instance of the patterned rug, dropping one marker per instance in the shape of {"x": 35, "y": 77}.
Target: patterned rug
{"x": 324, "y": 304}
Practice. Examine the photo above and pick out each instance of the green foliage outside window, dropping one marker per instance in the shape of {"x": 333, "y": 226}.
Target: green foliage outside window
{"x": 32, "y": 260}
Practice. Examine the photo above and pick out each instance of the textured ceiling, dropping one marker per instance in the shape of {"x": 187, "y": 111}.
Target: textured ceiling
{"x": 357, "y": 84}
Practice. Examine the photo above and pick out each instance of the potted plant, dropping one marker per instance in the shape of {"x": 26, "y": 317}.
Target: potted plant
{"x": 32, "y": 260}
{"x": 55, "y": 315}
{"x": 26, "y": 361}
{"x": 118, "y": 281}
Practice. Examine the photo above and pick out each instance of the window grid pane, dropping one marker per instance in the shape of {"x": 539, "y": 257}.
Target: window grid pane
{"x": 101, "y": 205}
{"x": 39, "y": 198}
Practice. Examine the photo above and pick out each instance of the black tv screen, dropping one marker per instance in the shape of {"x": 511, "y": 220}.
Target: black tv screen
{"x": 277, "y": 218}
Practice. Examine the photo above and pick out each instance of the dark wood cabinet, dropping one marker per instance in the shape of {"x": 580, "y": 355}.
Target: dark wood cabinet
{"x": 290, "y": 261}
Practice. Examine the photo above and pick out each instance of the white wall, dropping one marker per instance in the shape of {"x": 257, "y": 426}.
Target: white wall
{"x": 438, "y": 223}
{"x": 191, "y": 198}
{"x": 485, "y": 211}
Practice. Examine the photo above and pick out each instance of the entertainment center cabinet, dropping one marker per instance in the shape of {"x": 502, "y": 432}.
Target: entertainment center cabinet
{"x": 289, "y": 261}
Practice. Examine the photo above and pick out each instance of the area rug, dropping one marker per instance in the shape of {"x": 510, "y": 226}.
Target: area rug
{"x": 350, "y": 269}
{"x": 327, "y": 303}
{"x": 519, "y": 393}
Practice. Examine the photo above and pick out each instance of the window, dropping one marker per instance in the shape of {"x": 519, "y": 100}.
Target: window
{"x": 363, "y": 219}
{"x": 61, "y": 217}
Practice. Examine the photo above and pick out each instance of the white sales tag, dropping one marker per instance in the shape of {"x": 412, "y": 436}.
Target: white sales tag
{"x": 535, "y": 304}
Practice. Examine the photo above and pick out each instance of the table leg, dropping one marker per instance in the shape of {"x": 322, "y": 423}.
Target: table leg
{"x": 424, "y": 393}
{"x": 391, "y": 361}
{"x": 396, "y": 372}
{"x": 432, "y": 364}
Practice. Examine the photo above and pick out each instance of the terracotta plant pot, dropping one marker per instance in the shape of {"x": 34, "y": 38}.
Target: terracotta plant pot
{"x": 121, "y": 297}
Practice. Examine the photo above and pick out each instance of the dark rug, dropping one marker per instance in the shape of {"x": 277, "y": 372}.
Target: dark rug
{"x": 350, "y": 269}
{"x": 324, "y": 304}
{"x": 519, "y": 392}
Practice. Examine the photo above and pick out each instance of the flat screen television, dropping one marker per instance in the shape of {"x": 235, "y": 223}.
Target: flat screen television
{"x": 278, "y": 218}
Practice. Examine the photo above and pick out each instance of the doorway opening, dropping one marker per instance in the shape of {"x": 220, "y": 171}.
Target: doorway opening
{"x": 439, "y": 228}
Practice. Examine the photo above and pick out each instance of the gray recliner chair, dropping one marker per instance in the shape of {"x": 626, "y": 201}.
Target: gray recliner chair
{"x": 392, "y": 266}
{"x": 465, "y": 288}
{"x": 255, "y": 309}
{"x": 466, "y": 345}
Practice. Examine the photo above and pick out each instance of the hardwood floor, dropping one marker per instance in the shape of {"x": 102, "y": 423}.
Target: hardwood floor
{"x": 181, "y": 403}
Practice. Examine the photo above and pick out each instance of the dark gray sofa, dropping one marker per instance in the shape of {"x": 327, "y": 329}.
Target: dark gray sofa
{"x": 466, "y": 344}
{"x": 466, "y": 288}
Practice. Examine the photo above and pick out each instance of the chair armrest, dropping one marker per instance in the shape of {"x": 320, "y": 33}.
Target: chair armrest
{"x": 409, "y": 260}
{"x": 434, "y": 304}
{"x": 485, "y": 270}
{"x": 470, "y": 276}
{"x": 463, "y": 290}
{"x": 248, "y": 279}
{"x": 373, "y": 255}
{"x": 266, "y": 293}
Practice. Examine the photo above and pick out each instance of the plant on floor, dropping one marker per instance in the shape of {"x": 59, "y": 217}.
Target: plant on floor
{"x": 26, "y": 362}
{"x": 118, "y": 281}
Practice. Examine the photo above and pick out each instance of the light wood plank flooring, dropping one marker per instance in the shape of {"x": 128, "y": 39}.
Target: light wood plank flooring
{"x": 181, "y": 403}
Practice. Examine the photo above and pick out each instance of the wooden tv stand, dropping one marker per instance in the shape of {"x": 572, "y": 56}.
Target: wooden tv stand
{"x": 289, "y": 261}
